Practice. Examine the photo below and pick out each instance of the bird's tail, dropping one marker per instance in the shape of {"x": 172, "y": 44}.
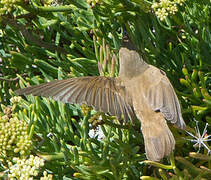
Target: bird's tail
{"x": 159, "y": 141}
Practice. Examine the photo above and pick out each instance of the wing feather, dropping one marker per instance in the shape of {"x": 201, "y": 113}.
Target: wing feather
{"x": 162, "y": 97}
{"x": 102, "y": 93}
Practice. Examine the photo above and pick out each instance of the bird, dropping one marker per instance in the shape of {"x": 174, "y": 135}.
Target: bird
{"x": 140, "y": 91}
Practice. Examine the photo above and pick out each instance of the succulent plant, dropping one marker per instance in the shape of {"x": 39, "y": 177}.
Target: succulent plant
{"x": 45, "y": 40}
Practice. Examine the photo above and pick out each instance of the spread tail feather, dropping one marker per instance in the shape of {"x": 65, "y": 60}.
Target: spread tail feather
{"x": 159, "y": 141}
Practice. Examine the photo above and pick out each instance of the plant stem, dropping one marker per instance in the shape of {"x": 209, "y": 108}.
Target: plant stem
{"x": 56, "y": 8}
{"x": 156, "y": 164}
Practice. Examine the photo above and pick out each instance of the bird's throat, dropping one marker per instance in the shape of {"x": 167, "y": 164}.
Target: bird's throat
{"x": 131, "y": 64}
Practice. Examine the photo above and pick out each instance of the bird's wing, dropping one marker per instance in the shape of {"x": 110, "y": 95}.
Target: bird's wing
{"x": 103, "y": 93}
{"x": 162, "y": 97}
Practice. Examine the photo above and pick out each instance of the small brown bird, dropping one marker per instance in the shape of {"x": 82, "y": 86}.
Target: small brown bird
{"x": 141, "y": 90}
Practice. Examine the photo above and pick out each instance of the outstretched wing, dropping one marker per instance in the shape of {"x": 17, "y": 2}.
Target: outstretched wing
{"x": 102, "y": 93}
{"x": 162, "y": 97}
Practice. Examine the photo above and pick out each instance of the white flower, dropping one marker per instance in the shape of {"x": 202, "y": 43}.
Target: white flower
{"x": 25, "y": 168}
{"x": 15, "y": 99}
{"x": 155, "y": 5}
{"x": 200, "y": 139}
{"x": 166, "y": 7}
{"x": 46, "y": 176}
{"x": 97, "y": 133}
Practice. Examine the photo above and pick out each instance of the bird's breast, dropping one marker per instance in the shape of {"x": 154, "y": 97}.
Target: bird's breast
{"x": 138, "y": 87}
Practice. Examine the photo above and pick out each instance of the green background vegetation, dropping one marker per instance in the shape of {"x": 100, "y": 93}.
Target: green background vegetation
{"x": 40, "y": 42}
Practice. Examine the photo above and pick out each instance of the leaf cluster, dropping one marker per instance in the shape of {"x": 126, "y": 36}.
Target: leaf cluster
{"x": 45, "y": 40}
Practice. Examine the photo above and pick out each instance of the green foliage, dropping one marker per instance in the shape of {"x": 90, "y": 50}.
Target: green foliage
{"x": 45, "y": 40}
